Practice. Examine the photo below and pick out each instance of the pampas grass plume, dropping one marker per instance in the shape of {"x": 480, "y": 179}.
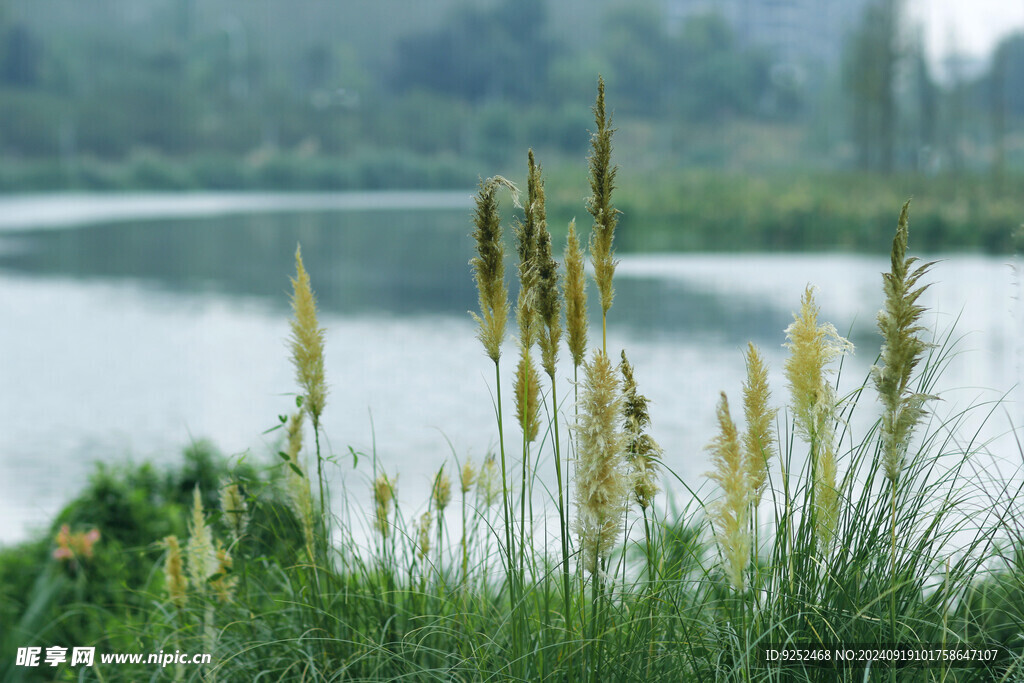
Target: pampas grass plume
{"x": 423, "y": 536}
{"x": 300, "y": 497}
{"x": 902, "y": 350}
{"x": 730, "y": 514}
{"x": 602, "y": 479}
{"x": 383, "y": 495}
{"x": 467, "y": 475}
{"x": 235, "y": 509}
{"x": 489, "y": 266}
{"x": 549, "y": 303}
{"x": 527, "y": 389}
{"x": 442, "y": 492}
{"x": 575, "y": 290}
{"x": 642, "y": 451}
{"x": 606, "y": 217}
{"x": 224, "y": 584}
{"x": 812, "y": 347}
{"x": 758, "y": 442}
{"x": 174, "y": 574}
{"x": 488, "y": 484}
{"x": 199, "y": 550}
{"x": 307, "y": 343}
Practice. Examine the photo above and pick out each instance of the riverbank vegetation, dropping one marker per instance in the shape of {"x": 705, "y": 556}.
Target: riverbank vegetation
{"x": 807, "y": 532}
{"x": 663, "y": 209}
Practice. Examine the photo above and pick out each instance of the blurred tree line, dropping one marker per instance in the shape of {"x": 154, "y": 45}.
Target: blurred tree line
{"x": 458, "y": 89}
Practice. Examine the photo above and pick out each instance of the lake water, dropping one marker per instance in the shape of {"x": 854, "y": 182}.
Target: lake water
{"x": 133, "y": 325}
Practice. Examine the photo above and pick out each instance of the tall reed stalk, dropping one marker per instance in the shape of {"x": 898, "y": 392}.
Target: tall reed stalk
{"x": 575, "y": 293}
{"x": 812, "y": 348}
{"x": 549, "y": 310}
{"x": 307, "y": 344}
{"x": 602, "y": 483}
{"x": 488, "y": 268}
{"x": 599, "y": 205}
{"x": 902, "y": 351}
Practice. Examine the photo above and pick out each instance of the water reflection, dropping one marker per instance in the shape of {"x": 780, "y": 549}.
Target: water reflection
{"x": 394, "y": 262}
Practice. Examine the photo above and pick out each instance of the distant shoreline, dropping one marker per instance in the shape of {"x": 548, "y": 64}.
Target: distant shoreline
{"x": 76, "y": 209}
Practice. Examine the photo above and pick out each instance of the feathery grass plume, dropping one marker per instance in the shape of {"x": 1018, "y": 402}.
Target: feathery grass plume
{"x": 442, "y": 492}
{"x": 642, "y": 451}
{"x": 527, "y": 388}
{"x": 826, "y": 495}
{"x": 812, "y": 347}
{"x": 599, "y": 205}
{"x": 307, "y": 343}
{"x": 527, "y": 233}
{"x": 423, "y": 536}
{"x": 234, "y": 509}
{"x": 467, "y": 475}
{"x": 488, "y": 484}
{"x": 489, "y": 266}
{"x": 901, "y": 351}
{"x": 383, "y": 495}
{"x": 730, "y": 514}
{"x": 224, "y": 583}
{"x": 602, "y": 479}
{"x": 199, "y": 551}
{"x": 575, "y": 292}
{"x": 549, "y": 303}
{"x": 757, "y": 441}
{"x": 300, "y": 496}
{"x": 174, "y": 575}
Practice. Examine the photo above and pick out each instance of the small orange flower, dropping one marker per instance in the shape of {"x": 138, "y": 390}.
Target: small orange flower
{"x": 75, "y": 545}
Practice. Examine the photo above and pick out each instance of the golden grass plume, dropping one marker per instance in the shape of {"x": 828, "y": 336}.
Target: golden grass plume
{"x": 730, "y": 514}
{"x": 442, "y": 491}
{"x": 599, "y": 205}
{"x": 902, "y": 350}
{"x": 758, "y": 441}
{"x": 199, "y": 551}
{"x": 488, "y": 483}
{"x": 300, "y": 496}
{"x": 602, "y": 478}
{"x": 488, "y": 266}
{"x": 307, "y": 343}
{"x": 642, "y": 451}
{"x": 175, "y": 580}
{"x": 812, "y": 348}
{"x": 527, "y": 388}
{"x": 235, "y": 509}
{"x": 383, "y": 496}
{"x": 467, "y": 475}
{"x": 575, "y": 292}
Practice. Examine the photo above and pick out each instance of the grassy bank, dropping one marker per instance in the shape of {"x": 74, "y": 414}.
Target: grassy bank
{"x": 663, "y": 209}
{"x": 694, "y": 210}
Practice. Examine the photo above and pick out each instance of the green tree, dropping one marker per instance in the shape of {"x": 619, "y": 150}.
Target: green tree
{"x": 481, "y": 53}
{"x": 869, "y": 75}
{"x": 640, "y": 55}
{"x": 22, "y": 58}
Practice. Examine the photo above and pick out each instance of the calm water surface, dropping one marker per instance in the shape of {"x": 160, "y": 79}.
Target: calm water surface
{"x": 131, "y": 330}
